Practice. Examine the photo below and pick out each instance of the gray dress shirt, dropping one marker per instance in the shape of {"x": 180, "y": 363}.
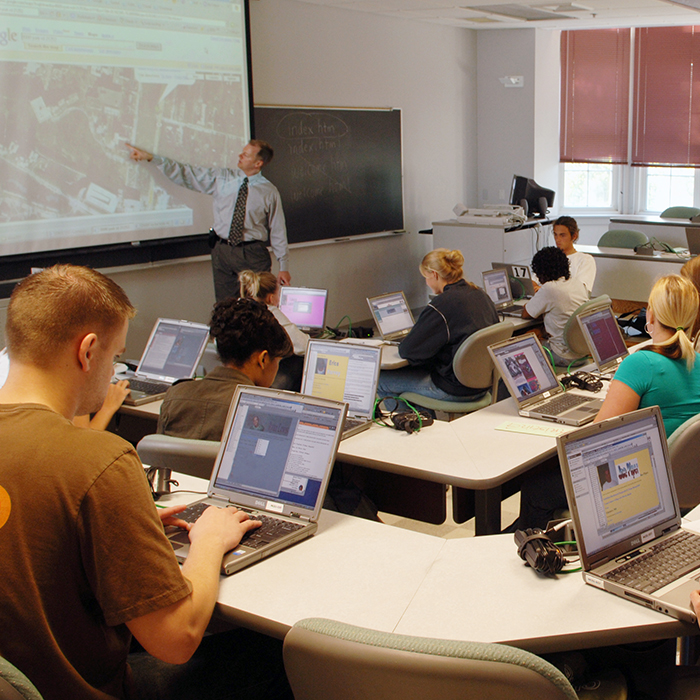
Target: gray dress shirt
{"x": 264, "y": 217}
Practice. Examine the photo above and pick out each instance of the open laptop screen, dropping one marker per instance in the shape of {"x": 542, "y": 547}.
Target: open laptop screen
{"x": 497, "y": 286}
{"x": 391, "y": 313}
{"x": 523, "y": 366}
{"x": 303, "y": 306}
{"x": 173, "y": 350}
{"x": 343, "y": 372}
{"x": 602, "y": 333}
{"x": 278, "y": 448}
{"x": 620, "y": 481}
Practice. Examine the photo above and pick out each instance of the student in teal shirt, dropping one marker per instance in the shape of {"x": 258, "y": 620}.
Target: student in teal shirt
{"x": 665, "y": 374}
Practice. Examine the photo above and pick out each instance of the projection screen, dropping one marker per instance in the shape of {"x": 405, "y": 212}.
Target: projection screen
{"x": 78, "y": 79}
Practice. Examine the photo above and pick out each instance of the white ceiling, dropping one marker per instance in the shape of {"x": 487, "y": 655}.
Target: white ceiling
{"x": 509, "y": 14}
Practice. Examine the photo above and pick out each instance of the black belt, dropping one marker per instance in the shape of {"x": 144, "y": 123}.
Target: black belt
{"x": 226, "y": 241}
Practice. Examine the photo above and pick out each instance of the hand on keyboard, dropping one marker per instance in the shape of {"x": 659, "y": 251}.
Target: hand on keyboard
{"x": 222, "y": 528}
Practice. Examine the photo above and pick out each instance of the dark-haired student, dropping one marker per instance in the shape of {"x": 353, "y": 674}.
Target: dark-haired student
{"x": 565, "y": 231}
{"x": 556, "y": 300}
{"x": 250, "y": 343}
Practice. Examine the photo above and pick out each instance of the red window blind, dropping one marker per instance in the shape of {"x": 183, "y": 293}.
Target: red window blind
{"x": 666, "y": 119}
{"x": 595, "y": 67}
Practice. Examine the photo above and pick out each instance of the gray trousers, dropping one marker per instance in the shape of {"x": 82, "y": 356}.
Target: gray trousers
{"x": 227, "y": 261}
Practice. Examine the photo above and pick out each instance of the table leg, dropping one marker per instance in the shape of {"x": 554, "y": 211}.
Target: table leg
{"x": 488, "y": 511}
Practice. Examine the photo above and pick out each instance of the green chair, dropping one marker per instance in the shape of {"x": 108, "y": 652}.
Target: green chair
{"x": 14, "y": 685}
{"x": 679, "y": 213}
{"x": 473, "y": 368}
{"x": 683, "y": 448}
{"x": 622, "y": 238}
{"x": 329, "y": 660}
{"x": 573, "y": 335}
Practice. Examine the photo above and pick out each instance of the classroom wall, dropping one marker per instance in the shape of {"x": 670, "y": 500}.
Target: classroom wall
{"x": 304, "y": 54}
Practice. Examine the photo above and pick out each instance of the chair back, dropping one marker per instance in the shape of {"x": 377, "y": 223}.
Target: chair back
{"x": 679, "y": 213}
{"x": 684, "y": 448}
{"x": 472, "y": 363}
{"x": 328, "y": 660}
{"x": 193, "y": 457}
{"x": 14, "y": 685}
{"x": 573, "y": 335}
{"x": 622, "y": 238}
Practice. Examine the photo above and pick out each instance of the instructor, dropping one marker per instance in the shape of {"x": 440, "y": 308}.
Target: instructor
{"x": 247, "y": 213}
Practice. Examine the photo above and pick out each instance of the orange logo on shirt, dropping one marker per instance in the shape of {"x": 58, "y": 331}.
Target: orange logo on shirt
{"x": 5, "y": 506}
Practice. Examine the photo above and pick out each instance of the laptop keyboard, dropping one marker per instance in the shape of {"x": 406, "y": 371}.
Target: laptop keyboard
{"x": 270, "y": 530}
{"x": 662, "y": 564}
{"x": 563, "y": 403}
{"x": 148, "y": 387}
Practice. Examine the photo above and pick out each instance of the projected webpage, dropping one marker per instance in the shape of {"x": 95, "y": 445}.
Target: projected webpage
{"x": 81, "y": 78}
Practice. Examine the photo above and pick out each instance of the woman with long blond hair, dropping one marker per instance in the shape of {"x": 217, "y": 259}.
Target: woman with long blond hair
{"x": 665, "y": 373}
{"x": 458, "y": 309}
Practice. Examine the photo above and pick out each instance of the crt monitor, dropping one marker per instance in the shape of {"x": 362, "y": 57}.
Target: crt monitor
{"x": 534, "y": 200}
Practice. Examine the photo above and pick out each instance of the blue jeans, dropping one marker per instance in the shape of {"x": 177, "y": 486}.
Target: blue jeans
{"x": 394, "y": 382}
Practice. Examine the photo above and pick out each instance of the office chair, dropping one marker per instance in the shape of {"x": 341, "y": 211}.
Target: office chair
{"x": 473, "y": 368}
{"x": 622, "y": 238}
{"x": 167, "y": 454}
{"x": 684, "y": 447}
{"x": 329, "y": 660}
{"x": 573, "y": 335}
{"x": 679, "y": 213}
{"x": 14, "y": 685}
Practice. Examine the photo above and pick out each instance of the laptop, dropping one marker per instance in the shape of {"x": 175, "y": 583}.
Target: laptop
{"x": 304, "y": 307}
{"x": 534, "y": 386}
{"x": 603, "y": 337}
{"x": 172, "y": 352}
{"x": 520, "y": 277}
{"x": 344, "y": 372}
{"x": 275, "y": 462}
{"x": 392, "y": 315}
{"x": 497, "y": 286}
{"x": 622, "y": 498}
{"x": 693, "y": 237}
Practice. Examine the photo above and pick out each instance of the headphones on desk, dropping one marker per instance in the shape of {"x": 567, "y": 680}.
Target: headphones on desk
{"x": 411, "y": 421}
{"x": 582, "y": 380}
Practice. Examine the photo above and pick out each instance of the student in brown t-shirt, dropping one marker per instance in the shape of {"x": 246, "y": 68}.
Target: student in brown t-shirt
{"x": 85, "y": 560}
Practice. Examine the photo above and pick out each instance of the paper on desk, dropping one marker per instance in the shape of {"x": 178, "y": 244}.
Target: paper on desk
{"x": 545, "y": 429}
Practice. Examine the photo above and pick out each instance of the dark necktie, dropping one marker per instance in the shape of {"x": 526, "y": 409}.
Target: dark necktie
{"x": 235, "y": 234}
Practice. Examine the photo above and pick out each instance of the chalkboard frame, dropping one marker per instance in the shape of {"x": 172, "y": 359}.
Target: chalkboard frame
{"x": 339, "y": 170}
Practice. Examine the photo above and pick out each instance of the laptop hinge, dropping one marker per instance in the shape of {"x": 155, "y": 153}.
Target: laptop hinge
{"x": 300, "y": 516}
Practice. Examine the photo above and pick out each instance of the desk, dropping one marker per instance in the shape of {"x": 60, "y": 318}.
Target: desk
{"x": 466, "y": 453}
{"x": 489, "y": 242}
{"x": 622, "y": 274}
{"x": 476, "y": 589}
{"x": 671, "y": 231}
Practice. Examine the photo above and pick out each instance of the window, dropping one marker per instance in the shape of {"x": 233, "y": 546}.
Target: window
{"x": 660, "y": 122}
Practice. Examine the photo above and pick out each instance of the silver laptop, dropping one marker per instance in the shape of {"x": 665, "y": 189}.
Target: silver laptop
{"x": 603, "y": 337}
{"x": 534, "y": 386}
{"x": 392, "y": 315}
{"x": 620, "y": 490}
{"x": 497, "y": 286}
{"x": 304, "y": 307}
{"x": 693, "y": 237}
{"x": 344, "y": 372}
{"x": 275, "y": 462}
{"x": 520, "y": 277}
{"x": 172, "y": 352}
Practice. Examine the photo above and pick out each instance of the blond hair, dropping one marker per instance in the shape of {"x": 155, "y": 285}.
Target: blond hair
{"x": 257, "y": 285}
{"x": 674, "y": 302}
{"x": 447, "y": 263}
{"x": 52, "y": 307}
{"x": 691, "y": 270}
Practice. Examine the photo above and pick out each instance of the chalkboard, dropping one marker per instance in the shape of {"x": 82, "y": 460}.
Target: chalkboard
{"x": 338, "y": 170}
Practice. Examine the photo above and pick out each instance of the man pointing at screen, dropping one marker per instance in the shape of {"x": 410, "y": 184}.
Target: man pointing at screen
{"x": 247, "y": 213}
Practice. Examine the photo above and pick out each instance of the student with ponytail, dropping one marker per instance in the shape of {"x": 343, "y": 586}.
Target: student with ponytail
{"x": 666, "y": 373}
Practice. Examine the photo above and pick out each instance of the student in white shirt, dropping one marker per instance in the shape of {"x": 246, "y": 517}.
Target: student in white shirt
{"x": 566, "y": 231}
